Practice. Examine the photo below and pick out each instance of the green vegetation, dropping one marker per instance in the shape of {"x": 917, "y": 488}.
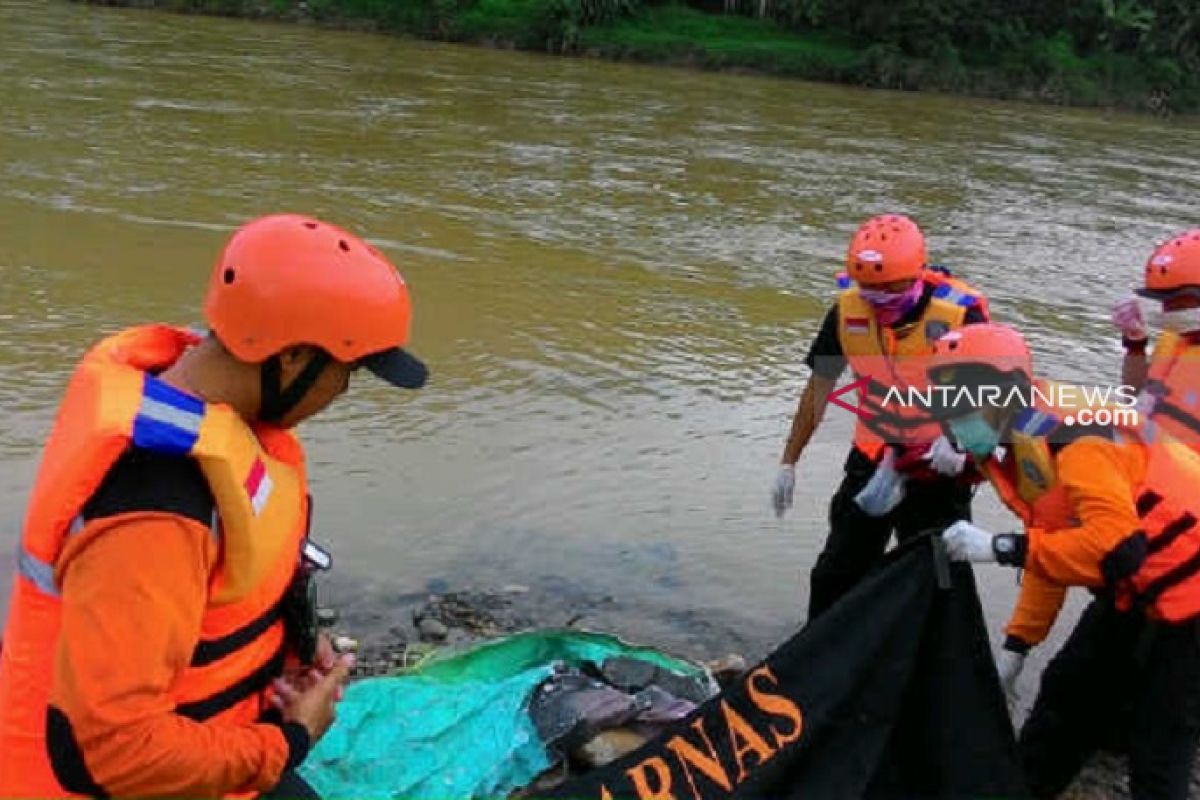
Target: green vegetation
{"x": 1142, "y": 54}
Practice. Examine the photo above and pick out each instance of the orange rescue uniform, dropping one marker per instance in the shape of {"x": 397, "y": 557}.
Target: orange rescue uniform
{"x": 141, "y": 644}
{"x": 1106, "y": 509}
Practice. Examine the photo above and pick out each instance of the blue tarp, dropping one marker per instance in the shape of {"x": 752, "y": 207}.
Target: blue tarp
{"x": 457, "y": 727}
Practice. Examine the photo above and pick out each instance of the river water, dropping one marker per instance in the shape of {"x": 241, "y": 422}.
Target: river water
{"x": 617, "y": 270}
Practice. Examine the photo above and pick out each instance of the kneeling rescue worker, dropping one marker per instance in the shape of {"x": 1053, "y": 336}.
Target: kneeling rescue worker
{"x": 155, "y": 644}
{"x": 1114, "y": 509}
{"x": 885, "y": 329}
{"x": 1170, "y": 379}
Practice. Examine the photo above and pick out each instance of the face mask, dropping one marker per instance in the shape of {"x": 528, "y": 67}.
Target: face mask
{"x": 974, "y": 435}
{"x": 1185, "y": 320}
{"x": 891, "y": 306}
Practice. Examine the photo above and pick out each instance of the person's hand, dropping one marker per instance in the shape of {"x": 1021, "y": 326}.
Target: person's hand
{"x": 1009, "y": 665}
{"x": 1127, "y": 318}
{"x": 967, "y": 542}
{"x": 784, "y": 488}
{"x": 324, "y": 658}
{"x": 944, "y": 458}
{"x": 311, "y": 699}
{"x": 913, "y": 463}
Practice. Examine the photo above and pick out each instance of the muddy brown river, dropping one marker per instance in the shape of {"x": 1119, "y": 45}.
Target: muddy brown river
{"x": 617, "y": 270}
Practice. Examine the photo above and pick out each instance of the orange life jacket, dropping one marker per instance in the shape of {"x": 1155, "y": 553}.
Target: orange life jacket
{"x": 1026, "y": 480}
{"x": 257, "y": 479}
{"x": 889, "y": 358}
{"x": 1172, "y": 389}
{"x": 1165, "y": 583}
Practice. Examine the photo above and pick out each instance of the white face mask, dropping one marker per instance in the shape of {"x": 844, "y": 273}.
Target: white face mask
{"x": 1185, "y": 320}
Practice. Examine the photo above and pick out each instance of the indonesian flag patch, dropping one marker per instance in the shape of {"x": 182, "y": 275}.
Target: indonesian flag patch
{"x": 258, "y": 485}
{"x": 858, "y": 325}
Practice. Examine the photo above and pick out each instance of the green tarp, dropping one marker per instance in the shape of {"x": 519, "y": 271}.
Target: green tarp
{"x": 890, "y": 694}
{"x": 457, "y": 727}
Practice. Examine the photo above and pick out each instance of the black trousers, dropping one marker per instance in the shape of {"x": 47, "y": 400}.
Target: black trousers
{"x": 1123, "y": 681}
{"x": 291, "y": 787}
{"x": 856, "y": 541}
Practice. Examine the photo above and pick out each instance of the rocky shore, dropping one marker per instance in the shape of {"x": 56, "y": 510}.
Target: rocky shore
{"x": 407, "y": 628}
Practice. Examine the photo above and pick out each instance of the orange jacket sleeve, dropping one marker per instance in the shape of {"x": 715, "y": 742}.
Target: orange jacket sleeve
{"x": 1101, "y": 478}
{"x": 1038, "y": 605}
{"x": 132, "y": 600}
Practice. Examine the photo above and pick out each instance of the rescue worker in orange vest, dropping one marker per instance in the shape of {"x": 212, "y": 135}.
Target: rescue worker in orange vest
{"x": 159, "y": 642}
{"x": 1170, "y": 385}
{"x": 1112, "y": 508}
{"x": 1170, "y": 380}
{"x": 883, "y": 329}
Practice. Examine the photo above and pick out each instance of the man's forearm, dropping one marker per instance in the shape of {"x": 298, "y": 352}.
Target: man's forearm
{"x": 1134, "y": 368}
{"x": 809, "y": 413}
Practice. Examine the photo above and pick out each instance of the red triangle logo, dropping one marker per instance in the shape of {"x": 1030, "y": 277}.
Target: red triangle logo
{"x": 860, "y": 386}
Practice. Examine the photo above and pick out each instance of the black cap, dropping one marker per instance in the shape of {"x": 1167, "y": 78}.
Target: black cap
{"x": 1168, "y": 294}
{"x": 397, "y": 367}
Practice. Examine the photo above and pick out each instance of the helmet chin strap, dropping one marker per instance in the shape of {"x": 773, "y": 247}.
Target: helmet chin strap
{"x": 277, "y": 400}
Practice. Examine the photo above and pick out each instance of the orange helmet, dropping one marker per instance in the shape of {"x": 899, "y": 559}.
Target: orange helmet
{"x": 1174, "y": 268}
{"x": 886, "y": 248}
{"x": 286, "y": 279}
{"x": 980, "y": 349}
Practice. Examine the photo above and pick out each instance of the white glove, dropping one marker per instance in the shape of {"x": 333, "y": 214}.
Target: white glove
{"x": 785, "y": 486}
{"x": 1127, "y": 318}
{"x": 885, "y": 490}
{"x": 967, "y": 542}
{"x": 944, "y": 458}
{"x": 1009, "y": 665}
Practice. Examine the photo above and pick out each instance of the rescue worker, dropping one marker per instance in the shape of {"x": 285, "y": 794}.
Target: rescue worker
{"x": 883, "y": 329}
{"x": 1168, "y": 383}
{"x": 1170, "y": 380}
{"x": 158, "y": 641}
{"x": 1114, "y": 509}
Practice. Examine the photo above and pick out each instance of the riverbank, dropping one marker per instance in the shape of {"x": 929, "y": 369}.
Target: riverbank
{"x": 1049, "y": 70}
{"x": 399, "y": 632}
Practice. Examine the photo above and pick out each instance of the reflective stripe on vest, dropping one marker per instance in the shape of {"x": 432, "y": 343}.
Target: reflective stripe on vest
{"x": 37, "y": 572}
{"x": 1032, "y": 422}
{"x": 951, "y": 294}
{"x": 168, "y": 420}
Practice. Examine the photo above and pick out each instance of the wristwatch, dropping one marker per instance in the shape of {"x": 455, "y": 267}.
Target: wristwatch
{"x": 1134, "y": 346}
{"x": 1010, "y": 549}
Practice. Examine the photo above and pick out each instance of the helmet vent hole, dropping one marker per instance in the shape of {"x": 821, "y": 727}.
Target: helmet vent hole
{"x": 228, "y": 275}
{"x": 312, "y": 226}
{"x": 879, "y": 267}
{"x": 342, "y": 244}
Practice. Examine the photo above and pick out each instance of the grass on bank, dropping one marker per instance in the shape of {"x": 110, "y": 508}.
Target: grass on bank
{"x": 1036, "y": 68}
{"x": 1047, "y": 70}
